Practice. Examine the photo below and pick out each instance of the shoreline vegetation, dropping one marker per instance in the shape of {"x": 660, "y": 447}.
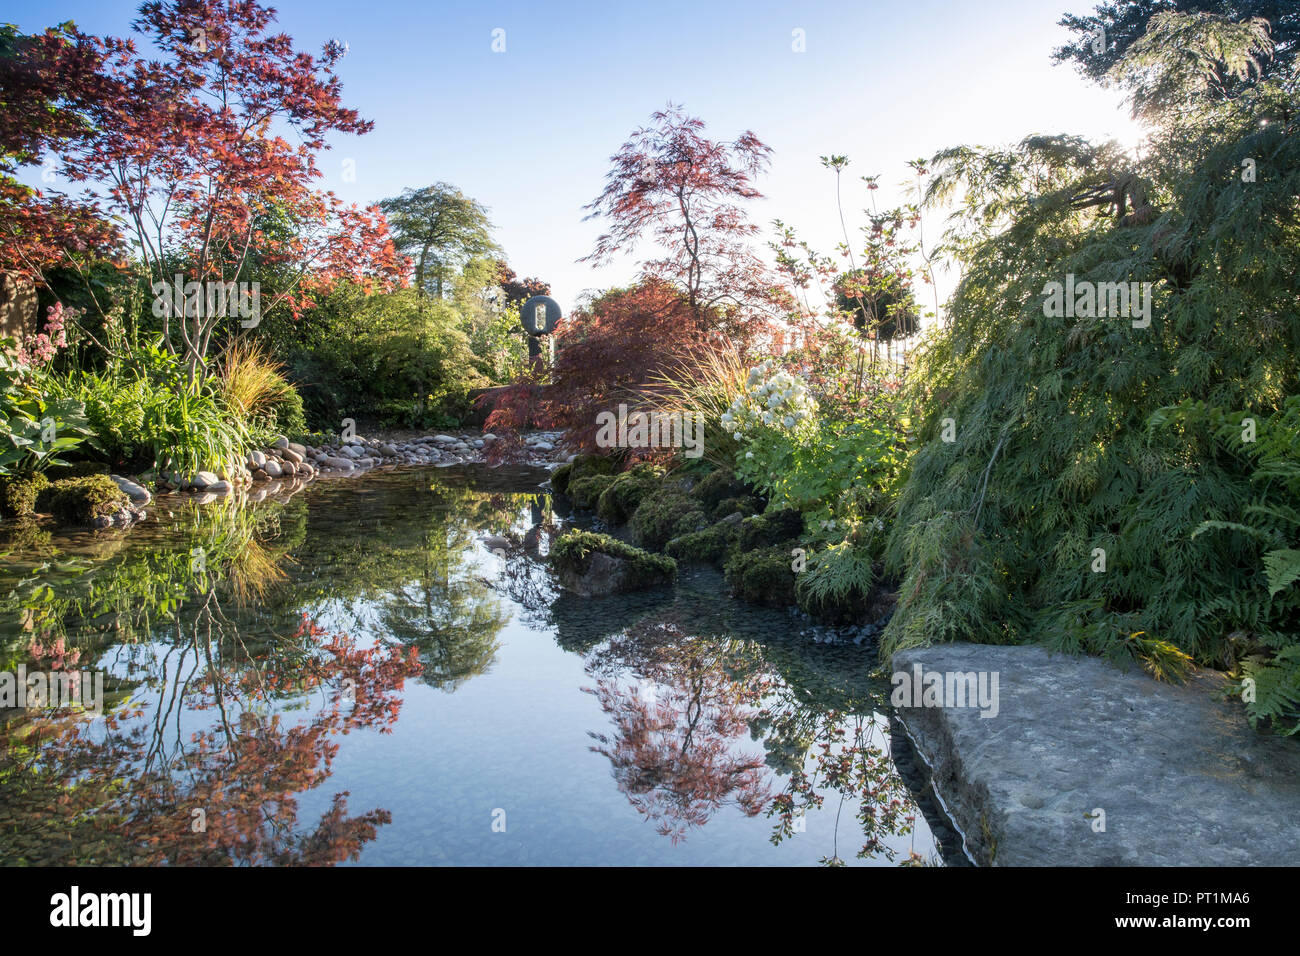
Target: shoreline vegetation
{"x": 1093, "y": 445}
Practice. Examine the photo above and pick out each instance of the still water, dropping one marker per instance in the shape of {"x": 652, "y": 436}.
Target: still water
{"x": 380, "y": 672}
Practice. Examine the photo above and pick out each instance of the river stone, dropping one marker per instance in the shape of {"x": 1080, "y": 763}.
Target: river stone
{"x": 281, "y": 443}
{"x": 290, "y": 455}
{"x": 444, "y": 439}
{"x": 272, "y": 468}
{"x": 202, "y": 479}
{"x": 137, "y": 493}
{"x": 218, "y": 488}
{"x": 344, "y": 464}
{"x": 297, "y": 449}
{"x": 1182, "y": 777}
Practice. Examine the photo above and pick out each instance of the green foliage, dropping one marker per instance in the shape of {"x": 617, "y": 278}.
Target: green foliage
{"x": 36, "y": 428}
{"x": 146, "y": 412}
{"x": 1035, "y": 461}
{"x": 397, "y": 359}
{"x": 837, "y": 583}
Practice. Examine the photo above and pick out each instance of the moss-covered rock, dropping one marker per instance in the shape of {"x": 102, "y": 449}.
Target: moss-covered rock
{"x": 82, "y": 500}
{"x": 560, "y": 478}
{"x": 717, "y": 486}
{"x": 620, "y": 500}
{"x": 585, "y": 492}
{"x": 712, "y": 544}
{"x": 746, "y": 506}
{"x": 775, "y": 527}
{"x": 764, "y": 576}
{"x": 589, "y": 564}
{"x": 666, "y": 514}
{"x": 18, "y": 494}
{"x": 584, "y": 466}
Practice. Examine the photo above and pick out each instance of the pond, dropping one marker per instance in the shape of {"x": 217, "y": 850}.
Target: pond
{"x": 380, "y": 671}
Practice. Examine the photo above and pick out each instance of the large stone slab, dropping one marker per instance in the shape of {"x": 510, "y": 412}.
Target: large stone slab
{"x": 1182, "y": 778}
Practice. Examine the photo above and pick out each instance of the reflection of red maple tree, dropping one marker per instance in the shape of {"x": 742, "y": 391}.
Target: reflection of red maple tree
{"x": 119, "y": 802}
{"x": 678, "y": 709}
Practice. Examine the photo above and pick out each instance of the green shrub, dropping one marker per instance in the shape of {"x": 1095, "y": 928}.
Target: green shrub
{"x": 18, "y": 494}
{"x": 620, "y": 500}
{"x": 762, "y": 577}
{"x": 664, "y": 515}
{"x": 837, "y": 583}
{"x": 81, "y": 500}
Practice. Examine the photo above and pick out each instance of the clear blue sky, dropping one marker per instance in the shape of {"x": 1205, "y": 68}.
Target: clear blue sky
{"x": 529, "y": 132}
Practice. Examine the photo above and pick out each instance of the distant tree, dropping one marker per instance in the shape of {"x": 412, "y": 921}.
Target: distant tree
{"x": 518, "y": 290}
{"x": 441, "y": 229}
{"x": 672, "y": 186}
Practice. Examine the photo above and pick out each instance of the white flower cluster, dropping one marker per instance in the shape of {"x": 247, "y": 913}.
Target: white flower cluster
{"x": 775, "y": 400}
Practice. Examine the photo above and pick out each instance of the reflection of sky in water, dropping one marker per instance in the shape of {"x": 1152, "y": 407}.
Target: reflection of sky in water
{"x": 518, "y": 734}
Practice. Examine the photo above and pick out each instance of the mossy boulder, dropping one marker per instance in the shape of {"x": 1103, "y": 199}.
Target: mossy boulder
{"x": 585, "y": 492}
{"x": 717, "y": 486}
{"x": 560, "y": 479}
{"x": 711, "y": 544}
{"x": 83, "y": 500}
{"x": 746, "y": 506}
{"x": 775, "y": 527}
{"x": 18, "y": 494}
{"x": 764, "y": 576}
{"x": 666, "y": 514}
{"x": 620, "y": 500}
{"x": 589, "y": 564}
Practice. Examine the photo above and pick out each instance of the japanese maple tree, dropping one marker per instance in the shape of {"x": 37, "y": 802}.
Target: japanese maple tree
{"x": 216, "y": 135}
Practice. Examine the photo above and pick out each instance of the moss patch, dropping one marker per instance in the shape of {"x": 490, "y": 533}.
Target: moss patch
{"x": 82, "y": 500}
{"x": 711, "y": 544}
{"x": 763, "y": 576}
{"x": 775, "y": 527}
{"x": 560, "y": 478}
{"x": 596, "y": 563}
{"x": 585, "y": 492}
{"x": 18, "y": 494}
{"x": 717, "y": 486}
{"x": 745, "y": 507}
{"x": 666, "y": 514}
{"x": 619, "y": 501}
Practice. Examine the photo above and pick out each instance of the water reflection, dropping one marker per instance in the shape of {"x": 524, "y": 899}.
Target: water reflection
{"x": 243, "y": 647}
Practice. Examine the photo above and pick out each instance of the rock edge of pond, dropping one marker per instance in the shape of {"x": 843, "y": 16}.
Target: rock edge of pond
{"x": 1181, "y": 776}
